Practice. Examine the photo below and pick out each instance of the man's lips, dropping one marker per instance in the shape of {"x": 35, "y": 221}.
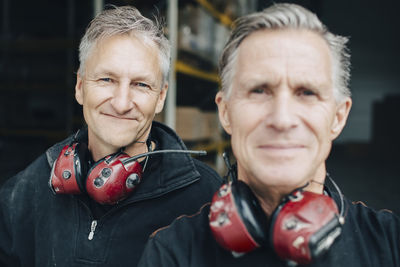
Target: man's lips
{"x": 281, "y": 149}
{"x": 281, "y": 146}
{"x": 120, "y": 117}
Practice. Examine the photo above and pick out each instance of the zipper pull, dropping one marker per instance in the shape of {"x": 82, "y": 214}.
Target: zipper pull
{"x": 92, "y": 229}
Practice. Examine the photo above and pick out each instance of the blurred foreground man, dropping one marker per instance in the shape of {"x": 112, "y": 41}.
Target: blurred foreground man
{"x": 94, "y": 198}
{"x": 284, "y": 99}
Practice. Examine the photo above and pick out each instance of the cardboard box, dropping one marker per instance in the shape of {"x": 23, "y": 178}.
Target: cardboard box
{"x": 192, "y": 124}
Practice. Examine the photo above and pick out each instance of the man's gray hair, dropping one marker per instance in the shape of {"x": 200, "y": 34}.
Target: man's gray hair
{"x": 287, "y": 16}
{"x": 125, "y": 20}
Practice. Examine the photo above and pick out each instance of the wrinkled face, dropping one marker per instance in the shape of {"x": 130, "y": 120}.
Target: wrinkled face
{"x": 281, "y": 114}
{"x": 120, "y": 93}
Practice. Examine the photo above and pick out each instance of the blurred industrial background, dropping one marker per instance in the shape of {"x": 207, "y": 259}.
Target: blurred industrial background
{"x": 39, "y": 58}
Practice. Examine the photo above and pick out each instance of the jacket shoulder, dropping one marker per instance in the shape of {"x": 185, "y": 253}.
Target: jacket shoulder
{"x": 192, "y": 231}
{"x": 20, "y": 194}
{"x": 375, "y": 230}
{"x": 195, "y": 244}
{"x": 36, "y": 174}
{"x": 372, "y": 219}
{"x": 35, "y": 167}
{"x": 184, "y": 225}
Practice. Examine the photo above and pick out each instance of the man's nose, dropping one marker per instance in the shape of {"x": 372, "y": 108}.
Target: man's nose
{"x": 281, "y": 114}
{"x": 122, "y": 100}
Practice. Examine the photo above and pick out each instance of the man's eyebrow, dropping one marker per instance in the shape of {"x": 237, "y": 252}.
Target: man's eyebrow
{"x": 310, "y": 83}
{"x": 141, "y": 76}
{"x": 98, "y": 73}
{"x": 257, "y": 81}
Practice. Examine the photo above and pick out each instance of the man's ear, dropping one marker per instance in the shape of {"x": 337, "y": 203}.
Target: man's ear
{"x": 79, "y": 89}
{"x": 342, "y": 113}
{"x": 161, "y": 98}
{"x": 223, "y": 112}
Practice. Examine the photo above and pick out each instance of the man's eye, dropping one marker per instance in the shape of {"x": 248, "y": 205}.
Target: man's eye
{"x": 257, "y": 91}
{"x": 140, "y": 84}
{"x": 306, "y": 92}
{"x": 107, "y": 80}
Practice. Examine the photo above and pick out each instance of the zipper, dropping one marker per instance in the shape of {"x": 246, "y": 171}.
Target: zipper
{"x": 92, "y": 229}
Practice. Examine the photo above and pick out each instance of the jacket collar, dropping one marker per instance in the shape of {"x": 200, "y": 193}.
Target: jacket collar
{"x": 164, "y": 172}
{"x": 53, "y": 152}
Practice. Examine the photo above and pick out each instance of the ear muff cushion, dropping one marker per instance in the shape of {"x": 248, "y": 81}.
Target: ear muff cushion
{"x": 104, "y": 160}
{"x": 250, "y": 211}
{"x": 82, "y": 157}
{"x": 302, "y": 226}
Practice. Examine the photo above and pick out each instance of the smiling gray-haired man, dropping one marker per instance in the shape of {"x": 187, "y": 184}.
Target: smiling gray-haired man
{"x": 86, "y": 202}
{"x": 284, "y": 99}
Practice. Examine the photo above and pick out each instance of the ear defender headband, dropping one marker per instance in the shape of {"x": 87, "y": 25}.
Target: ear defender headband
{"x": 301, "y": 228}
{"x": 109, "y": 180}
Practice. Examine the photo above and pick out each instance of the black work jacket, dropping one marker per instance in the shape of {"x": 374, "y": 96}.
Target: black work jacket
{"x": 369, "y": 239}
{"x": 39, "y": 228}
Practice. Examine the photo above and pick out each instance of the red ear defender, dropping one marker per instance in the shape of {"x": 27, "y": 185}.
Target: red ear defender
{"x": 110, "y": 181}
{"x": 69, "y": 170}
{"x": 236, "y": 219}
{"x": 107, "y": 182}
{"x": 301, "y": 228}
{"x": 304, "y": 226}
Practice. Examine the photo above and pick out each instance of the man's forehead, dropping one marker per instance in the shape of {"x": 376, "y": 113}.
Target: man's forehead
{"x": 274, "y": 41}
{"x": 297, "y": 52}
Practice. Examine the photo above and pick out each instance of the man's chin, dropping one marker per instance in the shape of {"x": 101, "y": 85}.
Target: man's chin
{"x": 118, "y": 141}
{"x": 280, "y": 177}
{"x": 124, "y": 143}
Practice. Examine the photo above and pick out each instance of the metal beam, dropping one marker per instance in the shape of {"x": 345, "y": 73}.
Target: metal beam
{"x": 170, "y": 105}
{"x": 98, "y": 6}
